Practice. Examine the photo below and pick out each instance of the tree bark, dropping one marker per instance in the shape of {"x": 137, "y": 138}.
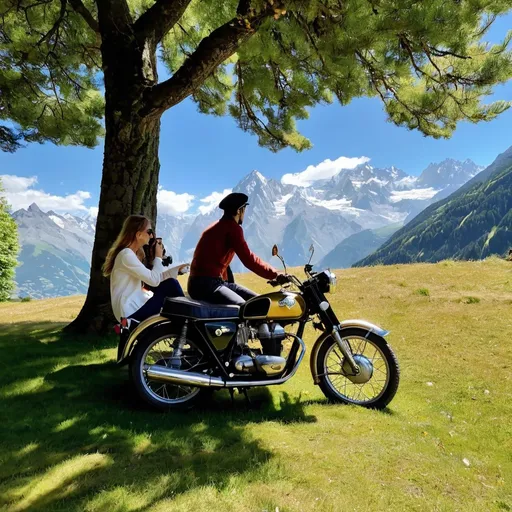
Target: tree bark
{"x": 129, "y": 186}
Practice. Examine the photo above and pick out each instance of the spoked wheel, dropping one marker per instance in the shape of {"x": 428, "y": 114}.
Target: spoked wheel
{"x": 161, "y": 350}
{"x": 377, "y": 381}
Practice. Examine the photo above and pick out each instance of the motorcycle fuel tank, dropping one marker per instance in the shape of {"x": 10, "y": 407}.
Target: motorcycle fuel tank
{"x": 275, "y": 306}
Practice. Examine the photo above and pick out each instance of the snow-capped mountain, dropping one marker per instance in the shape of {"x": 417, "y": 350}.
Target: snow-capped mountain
{"x": 448, "y": 171}
{"x": 56, "y": 248}
{"x": 55, "y": 253}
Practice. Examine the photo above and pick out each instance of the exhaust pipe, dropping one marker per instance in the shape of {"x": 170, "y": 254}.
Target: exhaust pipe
{"x": 173, "y": 376}
{"x": 170, "y": 375}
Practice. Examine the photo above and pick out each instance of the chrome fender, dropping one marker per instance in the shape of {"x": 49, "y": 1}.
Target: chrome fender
{"x": 123, "y": 352}
{"x": 346, "y": 324}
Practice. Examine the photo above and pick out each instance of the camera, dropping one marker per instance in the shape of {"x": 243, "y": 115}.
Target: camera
{"x": 149, "y": 253}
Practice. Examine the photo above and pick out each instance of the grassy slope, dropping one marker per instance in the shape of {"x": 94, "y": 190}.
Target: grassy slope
{"x": 72, "y": 438}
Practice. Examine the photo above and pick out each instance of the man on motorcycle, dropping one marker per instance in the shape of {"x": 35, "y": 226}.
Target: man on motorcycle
{"x": 215, "y": 250}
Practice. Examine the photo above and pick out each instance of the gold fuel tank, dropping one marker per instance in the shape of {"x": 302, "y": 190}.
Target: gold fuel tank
{"x": 275, "y": 306}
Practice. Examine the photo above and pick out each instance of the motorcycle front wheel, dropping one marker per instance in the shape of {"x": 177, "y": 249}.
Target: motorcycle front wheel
{"x": 377, "y": 382}
{"x": 160, "y": 349}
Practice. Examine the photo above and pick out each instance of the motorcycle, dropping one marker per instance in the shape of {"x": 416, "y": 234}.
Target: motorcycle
{"x": 177, "y": 358}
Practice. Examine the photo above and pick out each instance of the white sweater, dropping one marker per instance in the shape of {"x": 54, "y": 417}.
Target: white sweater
{"x": 126, "y": 290}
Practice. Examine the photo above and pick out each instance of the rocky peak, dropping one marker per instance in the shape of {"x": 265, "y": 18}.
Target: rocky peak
{"x": 34, "y": 209}
{"x": 449, "y": 172}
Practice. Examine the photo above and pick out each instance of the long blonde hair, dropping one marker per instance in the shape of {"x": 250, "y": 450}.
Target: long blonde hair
{"x": 131, "y": 226}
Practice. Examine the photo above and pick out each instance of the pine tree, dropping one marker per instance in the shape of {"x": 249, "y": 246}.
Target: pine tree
{"x": 264, "y": 62}
{"x": 8, "y": 249}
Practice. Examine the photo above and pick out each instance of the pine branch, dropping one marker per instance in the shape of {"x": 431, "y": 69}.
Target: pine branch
{"x": 80, "y": 8}
{"x": 259, "y": 125}
{"x": 56, "y": 25}
{"x": 213, "y": 50}
{"x": 159, "y": 19}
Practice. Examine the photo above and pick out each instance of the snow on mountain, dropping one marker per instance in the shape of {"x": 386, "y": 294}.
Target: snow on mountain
{"x": 56, "y": 249}
{"x": 448, "y": 172}
{"x": 415, "y": 193}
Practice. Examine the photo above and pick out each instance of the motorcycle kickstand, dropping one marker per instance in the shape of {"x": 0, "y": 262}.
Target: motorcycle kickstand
{"x": 244, "y": 392}
{"x": 232, "y": 395}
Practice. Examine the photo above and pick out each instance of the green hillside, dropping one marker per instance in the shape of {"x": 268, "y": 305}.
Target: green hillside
{"x": 472, "y": 223}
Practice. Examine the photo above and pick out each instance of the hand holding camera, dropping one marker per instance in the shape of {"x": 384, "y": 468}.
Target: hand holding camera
{"x": 155, "y": 249}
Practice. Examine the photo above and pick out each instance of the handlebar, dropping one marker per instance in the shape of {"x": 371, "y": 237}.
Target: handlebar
{"x": 280, "y": 281}
{"x": 283, "y": 280}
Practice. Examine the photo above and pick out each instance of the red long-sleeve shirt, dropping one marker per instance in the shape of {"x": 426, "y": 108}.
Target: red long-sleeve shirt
{"x": 218, "y": 245}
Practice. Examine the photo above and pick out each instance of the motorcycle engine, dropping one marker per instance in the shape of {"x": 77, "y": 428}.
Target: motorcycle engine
{"x": 271, "y": 337}
{"x": 270, "y": 362}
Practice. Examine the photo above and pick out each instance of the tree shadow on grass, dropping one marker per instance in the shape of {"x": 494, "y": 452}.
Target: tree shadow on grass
{"x": 73, "y": 437}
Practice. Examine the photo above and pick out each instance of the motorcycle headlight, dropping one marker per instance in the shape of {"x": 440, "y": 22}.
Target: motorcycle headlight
{"x": 326, "y": 281}
{"x": 332, "y": 282}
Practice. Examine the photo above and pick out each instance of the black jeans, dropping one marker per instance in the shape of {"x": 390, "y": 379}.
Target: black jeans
{"x": 218, "y": 291}
{"x": 168, "y": 288}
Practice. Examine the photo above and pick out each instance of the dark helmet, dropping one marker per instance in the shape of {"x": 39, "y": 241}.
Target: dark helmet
{"x": 232, "y": 202}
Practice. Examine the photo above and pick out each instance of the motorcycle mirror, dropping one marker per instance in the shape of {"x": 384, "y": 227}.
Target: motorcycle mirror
{"x": 312, "y": 251}
{"x": 275, "y": 252}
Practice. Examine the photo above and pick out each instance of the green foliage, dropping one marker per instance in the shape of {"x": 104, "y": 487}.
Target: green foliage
{"x": 48, "y": 76}
{"x": 25, "y": 299}
{"x": 473, "y": 223}
{"x": 8, "y": 249}
{"x": 423, "y": 291}
{"x": 426, "y": 61}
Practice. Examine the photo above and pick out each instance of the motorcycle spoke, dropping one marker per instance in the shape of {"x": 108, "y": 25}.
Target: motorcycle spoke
{"x": 339, "y": 380}
{"x": 161, "y": 352}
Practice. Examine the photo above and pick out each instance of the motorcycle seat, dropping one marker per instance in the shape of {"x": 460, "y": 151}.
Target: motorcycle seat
{"x": 184, "y": 306}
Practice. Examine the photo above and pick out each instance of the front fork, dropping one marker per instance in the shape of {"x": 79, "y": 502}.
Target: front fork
{"x": 328, "y": 318}
{"x": 345, "y": 349}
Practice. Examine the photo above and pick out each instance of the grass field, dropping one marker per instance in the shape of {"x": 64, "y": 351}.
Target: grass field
{"x": 72, "y": 437}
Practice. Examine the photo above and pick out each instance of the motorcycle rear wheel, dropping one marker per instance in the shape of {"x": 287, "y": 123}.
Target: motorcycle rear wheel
{"x": 380, "y": 373}
{"x": 158, "y": 349}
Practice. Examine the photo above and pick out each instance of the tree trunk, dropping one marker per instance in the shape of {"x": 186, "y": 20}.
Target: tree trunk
{"x": 129, "y": 186}
{"x": 130, "y": 164}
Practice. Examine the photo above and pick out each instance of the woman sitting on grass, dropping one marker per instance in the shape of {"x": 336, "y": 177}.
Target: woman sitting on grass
{"x": 127, "y": 273}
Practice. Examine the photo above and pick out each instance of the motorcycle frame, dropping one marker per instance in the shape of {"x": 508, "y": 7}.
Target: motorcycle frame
{"x": 218, "y": 358}
{"x": 314, "y": 298}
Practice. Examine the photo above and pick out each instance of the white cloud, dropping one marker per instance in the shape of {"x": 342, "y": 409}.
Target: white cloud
{"x": 14, "y": 184}
{"x": 20, "y": 193}
{"x": 213, "y": 200}
{"x": 324, "y": 170}
{"x": 93, "y": 211}
{"x": 171, "y": 203}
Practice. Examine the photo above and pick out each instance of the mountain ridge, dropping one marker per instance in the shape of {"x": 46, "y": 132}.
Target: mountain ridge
{"x": 325, "y": 213}
{"x": 472, "y": 223}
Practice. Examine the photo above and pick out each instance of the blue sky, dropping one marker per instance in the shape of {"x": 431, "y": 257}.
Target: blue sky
{"x": 201, "y": 154}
